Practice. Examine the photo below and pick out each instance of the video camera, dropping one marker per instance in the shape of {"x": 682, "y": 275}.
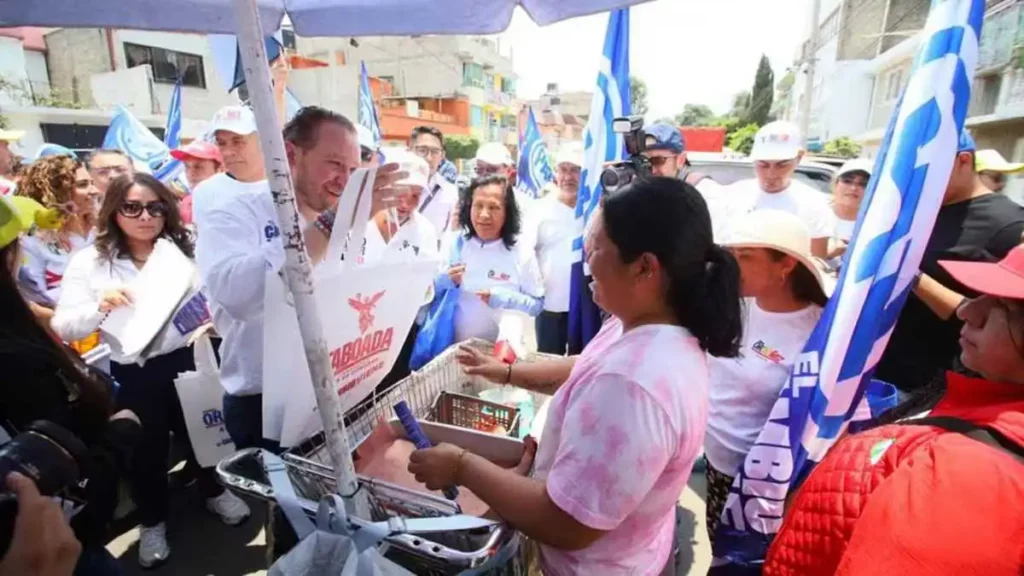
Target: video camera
{"x": 636, "y": 165}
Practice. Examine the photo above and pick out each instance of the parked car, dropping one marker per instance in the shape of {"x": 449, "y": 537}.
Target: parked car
{"x": 726, "y": 171}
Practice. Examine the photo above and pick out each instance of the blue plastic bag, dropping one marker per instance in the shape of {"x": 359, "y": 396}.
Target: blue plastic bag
{"x": 438, "y": 330}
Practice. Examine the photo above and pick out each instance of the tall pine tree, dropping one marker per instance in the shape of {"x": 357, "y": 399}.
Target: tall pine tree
{"x": 761, "y": 94}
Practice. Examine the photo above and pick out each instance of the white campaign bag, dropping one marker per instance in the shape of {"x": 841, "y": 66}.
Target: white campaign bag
{"x": 366, "y": 313}
{"x": 202, "y": 398}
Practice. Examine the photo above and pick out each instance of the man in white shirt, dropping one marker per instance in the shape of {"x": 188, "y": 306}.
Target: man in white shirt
{"x": 778, "y": 149}
{"x": 234, "y": 132}
{"x": 440, "y": 196}
{"x": 240, "y": 239}
{"x": 556, "y": 229}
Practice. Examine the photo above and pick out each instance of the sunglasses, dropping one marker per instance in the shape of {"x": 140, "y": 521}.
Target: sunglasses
{"x": 851, "y": 181}
{"x": 133, "y": 209}
{"x": 657, "y": 161}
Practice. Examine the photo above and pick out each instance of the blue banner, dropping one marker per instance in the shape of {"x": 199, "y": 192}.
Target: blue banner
{"x": 172, "y": 132}
{"x": 826, "y": 389}
{"x": 367, "y": 108}
{"x": 601, "y": 145}
{"x": 133, "y": 138}
{"x": 534, "y": 171}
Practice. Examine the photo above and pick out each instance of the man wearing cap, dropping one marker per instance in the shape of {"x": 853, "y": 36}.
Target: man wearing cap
{"x": 105, "y": 165}
{"x": 238, "y": 146}
{"x": 493, "y": 158}
{"x": 440, "y": 196}
{"x": 556, "y": 227}
{"x": 993, "y": 169}
{"x": 665, "y": 149}
{"x": 778, "y": 148}
{"x": 974, "y": 225}
{"x": 202, "y": 161}
{"x": 8, "y": 137}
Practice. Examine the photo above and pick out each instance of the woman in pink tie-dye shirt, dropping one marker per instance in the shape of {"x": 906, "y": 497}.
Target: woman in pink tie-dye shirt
{"x": 628, "y": 416}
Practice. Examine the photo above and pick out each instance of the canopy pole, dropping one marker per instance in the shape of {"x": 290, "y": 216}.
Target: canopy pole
{"x": 298, "y": 271}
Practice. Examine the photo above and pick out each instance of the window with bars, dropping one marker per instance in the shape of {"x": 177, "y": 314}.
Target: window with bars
{"x": 168, "y": 65}
{"x": 472, "y": 75}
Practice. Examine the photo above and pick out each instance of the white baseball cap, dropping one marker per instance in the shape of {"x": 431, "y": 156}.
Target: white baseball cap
{"x": 494, "y": 153}
{"x": 857, "y": 165}
{"x": 418, "y": 169}
{"x": 571, "y": 153}
{"x": 777, "y": 141}
{"x": 780, "y": 231}
{"x": 235, "y": 119}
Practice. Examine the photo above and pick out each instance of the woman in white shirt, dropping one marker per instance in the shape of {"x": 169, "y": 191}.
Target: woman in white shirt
{"x": 784, "y": 290}
{"x": 847, "y": 194}
{"x": 60, "y": 182}
{"x": 139, "y": 216}
{"x": 493, "y": 272}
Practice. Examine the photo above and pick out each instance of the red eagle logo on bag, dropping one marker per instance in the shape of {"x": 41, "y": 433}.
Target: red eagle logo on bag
{"x": 365, "y": 306}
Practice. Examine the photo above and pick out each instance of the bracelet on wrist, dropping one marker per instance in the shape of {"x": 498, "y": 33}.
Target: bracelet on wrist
{"x": 325, "y": 222}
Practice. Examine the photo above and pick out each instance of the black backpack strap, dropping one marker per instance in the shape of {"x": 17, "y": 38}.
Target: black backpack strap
{"x": 983, "y": 434}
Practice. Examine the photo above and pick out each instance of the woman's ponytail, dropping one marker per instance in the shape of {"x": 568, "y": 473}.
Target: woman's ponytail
{"x": 719, "y": 320}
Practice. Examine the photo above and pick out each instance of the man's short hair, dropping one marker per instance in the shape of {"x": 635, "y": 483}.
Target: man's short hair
{"x": 302, "y": 129}
{"x": 421, "y": 130}
{"x": 101, "y": 152}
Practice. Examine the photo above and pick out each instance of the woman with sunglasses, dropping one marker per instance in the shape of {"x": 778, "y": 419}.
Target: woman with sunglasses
{"x": 63, "y": 183}
{"x": 847, "y": 194}
{"x": 138, "y": 214}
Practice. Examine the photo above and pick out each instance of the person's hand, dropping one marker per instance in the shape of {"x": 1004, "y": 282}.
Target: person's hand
{"x": 436, "y": 467}
{"x": 114, "y": 299}
{"x": 476, "y": 363}
{"x": 279, "y": 73}
{"x": 484, "y": 296}
{"x": 526, "y": 461}
{"x": 126, "y": 415}
{"x": 456, "y": 272}
{"x": 838, "y": 248}
{"x": 43, "y": 543}
{"x": 384, "y": 195}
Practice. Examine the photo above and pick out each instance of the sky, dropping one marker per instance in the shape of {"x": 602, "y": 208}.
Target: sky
{"x": 687, "y": 51}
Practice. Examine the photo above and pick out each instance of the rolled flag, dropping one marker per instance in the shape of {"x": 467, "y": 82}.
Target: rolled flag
{"x": 368, "y": 109}
{"x": 601, "y": 145}
{"x": 224, "y": 49}
{"x": 534, "y": 171}
{"x": 172, "y": 131}
{"x": 831, "y": 379}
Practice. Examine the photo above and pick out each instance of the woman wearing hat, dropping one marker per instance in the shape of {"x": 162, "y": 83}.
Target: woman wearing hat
{"x": 784, "y": 291}
{"x": 993, "y": 169}
{"x": 847, "y": 194}
{"x": 202, "y": 161}
{"x": 938, "y": 488}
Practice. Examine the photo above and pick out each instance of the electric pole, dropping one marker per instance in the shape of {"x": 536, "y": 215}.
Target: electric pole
{"x": 811, "y": 59}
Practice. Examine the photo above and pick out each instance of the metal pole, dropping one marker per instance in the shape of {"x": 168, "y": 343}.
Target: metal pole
{"x": 298, "y": 271}
{"x": 811, "y": 59}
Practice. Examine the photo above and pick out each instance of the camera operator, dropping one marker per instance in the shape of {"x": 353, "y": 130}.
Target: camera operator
{"x": 43, "y": 543}
{"x": 665, "y": 150}
{"x": 43, "y": 380}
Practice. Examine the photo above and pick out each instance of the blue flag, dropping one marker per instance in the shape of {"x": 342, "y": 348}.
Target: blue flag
{"x": 831, "y": 384}
{"x": 534, "y": 170}
{"x": 367, "y": 109}
{"x": 172, "y": 132}
{"x": 601, "y": 145}
{"x": 133, "y": 138}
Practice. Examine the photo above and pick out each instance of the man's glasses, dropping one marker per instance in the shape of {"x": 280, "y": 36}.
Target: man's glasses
{"x": 133, "y": 209}
{"x": 113, "y": 171}
{"x": 487, "y": 169}
{"x": 427, "y": 151}
{"x": 851, "y": 181}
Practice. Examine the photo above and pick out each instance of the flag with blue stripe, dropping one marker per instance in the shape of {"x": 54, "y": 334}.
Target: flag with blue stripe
{"x": 534, "y": 171}
{"x": 601, "y": 145}
{"x": 127, "y": 134}
{"x": 367, "y": 108}
{"x": 831, "y": 379}
{"x": 172, "y": 132}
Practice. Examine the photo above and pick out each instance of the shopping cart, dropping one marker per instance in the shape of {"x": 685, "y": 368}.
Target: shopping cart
{"x": 312, "y": 475}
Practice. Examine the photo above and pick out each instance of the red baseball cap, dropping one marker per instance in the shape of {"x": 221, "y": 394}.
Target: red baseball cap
{"x": 199, "y": 149}
{"x": 1003, "y": 279}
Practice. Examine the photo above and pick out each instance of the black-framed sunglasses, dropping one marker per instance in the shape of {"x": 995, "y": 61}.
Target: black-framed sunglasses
{"x": 133, "y": 209}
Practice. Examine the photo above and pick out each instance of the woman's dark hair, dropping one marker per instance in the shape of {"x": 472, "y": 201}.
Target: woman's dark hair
{"x": 802, "y": 282}
{"x": 110, "y": 239}
{"x": 513, "y": 219}
{"x": 22, "y": 336}
{"x": 668, "y": 218}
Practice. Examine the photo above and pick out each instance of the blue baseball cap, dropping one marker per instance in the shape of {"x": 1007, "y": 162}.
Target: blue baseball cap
{"x": 966, "y": 143}
{"x": 666, "y": 136}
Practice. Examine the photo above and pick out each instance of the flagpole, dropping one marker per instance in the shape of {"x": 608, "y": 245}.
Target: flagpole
{"x": 298, "y": 270}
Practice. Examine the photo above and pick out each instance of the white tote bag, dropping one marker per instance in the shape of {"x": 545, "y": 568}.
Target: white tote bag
{"x": 202, "y": 398}
{"x": 366, "y": 313}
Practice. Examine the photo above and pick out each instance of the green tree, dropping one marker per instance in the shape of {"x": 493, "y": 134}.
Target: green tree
{"x": 761, "y": 95}
{"x": 742, "y": 140}
{"x": 460, "y": 147}
{"x": 695, "y": 115}
{"x": 842, "y": 147}
{"x": 740, "y": 103}
{"x": 638, "y": 95}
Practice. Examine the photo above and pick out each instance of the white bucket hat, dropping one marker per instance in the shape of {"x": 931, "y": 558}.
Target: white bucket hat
{"x": 780, "y": 231}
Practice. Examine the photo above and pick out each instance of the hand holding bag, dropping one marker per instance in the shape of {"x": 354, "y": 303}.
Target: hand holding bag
{"x": 438, "y": 330}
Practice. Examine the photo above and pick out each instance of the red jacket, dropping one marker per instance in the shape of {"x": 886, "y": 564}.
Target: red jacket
{"x": 904, "y": 500}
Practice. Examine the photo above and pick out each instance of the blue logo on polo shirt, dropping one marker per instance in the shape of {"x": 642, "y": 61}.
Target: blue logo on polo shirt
{"x": 271, "y": 231}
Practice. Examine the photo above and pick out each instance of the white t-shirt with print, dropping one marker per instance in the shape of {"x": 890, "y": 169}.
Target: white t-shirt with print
{"x": 744, "y": 389}
{"x": 45, "y": 256}
{"x": 808, "y": 204}
{"x": 218, "y": 189}
{"x": 416, "y": 238}
{"x": 844, "y": 229}
{"x": 556, "y": 229}
{"x": 437, "y": 202}
{"x": 492, "y": 265}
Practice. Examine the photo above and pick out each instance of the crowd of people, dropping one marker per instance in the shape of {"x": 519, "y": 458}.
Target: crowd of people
{"x": 711, "y": 292}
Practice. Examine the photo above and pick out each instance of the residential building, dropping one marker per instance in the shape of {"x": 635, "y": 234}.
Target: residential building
{"x": 555, "y": 127}
{"x": 575, "y": 103}
{"x": 851, "y": 34}
{"x": 446, "y": 75}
